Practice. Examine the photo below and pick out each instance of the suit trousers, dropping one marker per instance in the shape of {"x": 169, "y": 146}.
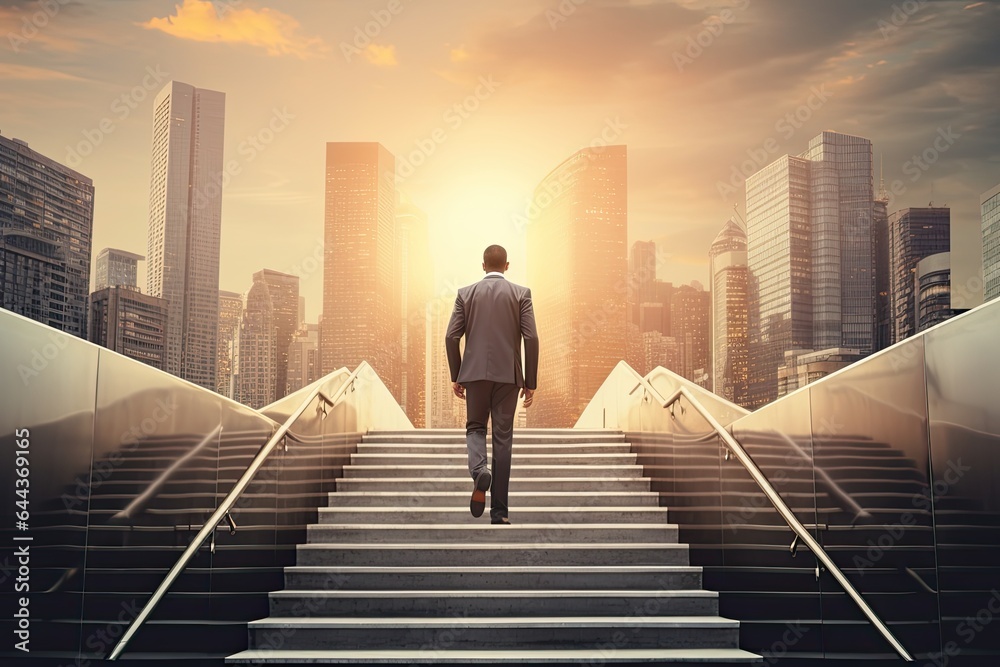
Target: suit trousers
{"x": 496, "y": 401}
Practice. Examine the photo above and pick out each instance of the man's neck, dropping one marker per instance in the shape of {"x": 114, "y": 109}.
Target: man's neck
{"x": 493, "y": 273}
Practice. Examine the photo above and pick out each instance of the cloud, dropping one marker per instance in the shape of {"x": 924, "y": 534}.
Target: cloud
{"x": 381, "y": 56}
{"x": 12, "y": 72}
{"x": 269, "y": 29}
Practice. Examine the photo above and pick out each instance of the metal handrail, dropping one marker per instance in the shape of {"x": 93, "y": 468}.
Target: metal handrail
{"x": 801, "y": 534}
{"x": 222, "y": 511}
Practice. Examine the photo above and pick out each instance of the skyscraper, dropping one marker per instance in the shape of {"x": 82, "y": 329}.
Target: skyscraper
{"x": 257, "y": 364}
{"x": 303, "y": 357}
{"x": 880, "y": 246}
{"x": 284, "y": 291}
{"x": 230, "y": 319}
{"x": 990, "y": 206}
{"x": 810, "y": 257}
{"x": 728, "y": 270}
{"x": 116, "y": 267}
{"x": 46, "y": 226}
{"x": 414, "y": 265}
{"x": 932, "y": 291}
{"x": 779, "y": 272}
{"x": 185, "y": 214}
{"x": 914, "y": 233}
{"x": 690, "y": 315}
{"x": 129, "y": 322}
{"x": 360, "y": 281}
{"x": 577, "y": 263}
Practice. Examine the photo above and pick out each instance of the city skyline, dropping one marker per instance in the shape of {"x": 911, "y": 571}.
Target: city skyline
{"x": 868, "y": 72}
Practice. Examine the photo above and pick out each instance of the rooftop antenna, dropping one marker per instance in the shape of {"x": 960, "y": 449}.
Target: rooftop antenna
{"x": 882, "y": 194}
{"x": 740, "y": 217}
{"x": 930, "y": 204}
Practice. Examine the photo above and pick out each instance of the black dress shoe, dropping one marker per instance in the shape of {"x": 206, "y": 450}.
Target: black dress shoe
{"x": 502, "y": 521}
{"x": 478, "y": 502}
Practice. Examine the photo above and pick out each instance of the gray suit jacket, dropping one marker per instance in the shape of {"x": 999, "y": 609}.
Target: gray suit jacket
{"x": 493, "y": 315}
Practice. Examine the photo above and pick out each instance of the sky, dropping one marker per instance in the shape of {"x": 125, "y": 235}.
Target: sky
{"x": 480, "y": 100}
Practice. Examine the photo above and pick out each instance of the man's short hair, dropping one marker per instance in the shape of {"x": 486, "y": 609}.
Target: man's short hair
{"x": 495, "y": 258}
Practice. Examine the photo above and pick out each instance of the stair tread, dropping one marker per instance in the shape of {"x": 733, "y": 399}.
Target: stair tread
{"x": 493, "y": 546}
{"x": 493, "y": 593}
{"x": 459, "y": 656}
{"x": 496, "y": 621}
{"x": 462, "y": 569}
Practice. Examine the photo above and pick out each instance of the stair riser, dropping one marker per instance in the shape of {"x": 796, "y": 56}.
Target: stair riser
{"x": 519, "y": 439}
{"x": 332, "y": 556}
{"x": 436, "y": 471}
{"x": 521, "y": 515}
{"x": 521, "y": 448}
{"x": 469, "y": 638}
{"x": 406, "y": 499}
{"x": 486, "y": 533}
{"x": 464, "y": 484}
{"x": 518, "y": 458}
{"x": 388, "y": 580}
{"x": 546, "y": 604}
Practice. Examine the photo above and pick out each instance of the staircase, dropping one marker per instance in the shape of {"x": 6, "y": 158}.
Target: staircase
{"x": 398, "y": 571}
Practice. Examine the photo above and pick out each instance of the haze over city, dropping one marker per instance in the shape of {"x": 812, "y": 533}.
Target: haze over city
{"x": 480, "y": 101}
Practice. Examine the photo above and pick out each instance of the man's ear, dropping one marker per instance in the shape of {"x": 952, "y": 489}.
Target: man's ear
{"x": 484, "y": 266}
{"x": 506, "y": 266}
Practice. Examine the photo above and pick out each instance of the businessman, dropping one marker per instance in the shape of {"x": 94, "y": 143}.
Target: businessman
{"x": 494, "y": 315}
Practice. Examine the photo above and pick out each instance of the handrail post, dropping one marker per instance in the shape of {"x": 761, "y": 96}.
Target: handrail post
{"x": 223, "y": 510}
{"x": 801, "y": 534}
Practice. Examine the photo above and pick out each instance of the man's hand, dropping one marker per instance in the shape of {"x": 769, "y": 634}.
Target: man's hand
{"x": 458, "y": 389}
{"x": 528, "y": 395}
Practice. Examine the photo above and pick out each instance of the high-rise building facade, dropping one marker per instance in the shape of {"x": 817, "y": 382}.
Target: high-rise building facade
{"x": 46, "y": 227}
{"x": 360, "y": 281}
{"x": 779, "y": 272}
{"x": 810, "y": 257}
{"x": 932, "y": 291}
{"x": 690, "y": 316}
{"x": 727, "y": 258}
{"x": 129, "y": 322}
{"x": 880, "y": 246}
{"x": 185, "y": 219}
{"x": 284, "y": 291}
{"x": 303, "y": 357}
{"x": 414, "y": 265}
{"x": 914, "y": 233}
{"x": 257, "y": 365}
{"x": 577, "y": 264}
{"x": 990, "y": 207}
{"x": 445, "y": 409}
{"x": 230, "y": 319}
{"x": 115, "y": 267}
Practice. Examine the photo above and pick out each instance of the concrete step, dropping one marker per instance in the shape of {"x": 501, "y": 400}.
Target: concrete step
{"x": 517, "y": 470}
{"x": 526, "y": 436}
{"x": 491, "y": 555}
{"x": 493, "y": 632}
{"x": 522, "y": 448}
{"x": 568, "y": 515}
{"x": 394, "y": 460}
{"x": 414, "y": 498}
{"x": 486, "y": 603}
{"x": 659, "y": 577}
{"x": 535, "y": 533}
{"x": 463, "y": 483}
{"x": 433, "y": 655}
